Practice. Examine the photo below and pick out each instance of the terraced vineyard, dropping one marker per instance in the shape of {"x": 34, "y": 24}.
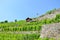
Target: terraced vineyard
{"x": 13, "y": 36}
{"x": 20, "y": 26}
{"x": 22, "y": 30}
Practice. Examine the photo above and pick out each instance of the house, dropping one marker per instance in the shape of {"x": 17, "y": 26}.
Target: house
{"x": 28, "y": 19}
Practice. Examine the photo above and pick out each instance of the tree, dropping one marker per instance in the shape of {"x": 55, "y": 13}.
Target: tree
{"x": 1, "y": 22}
{"x": 15, "y": 20}
{"x": 6, "y": 21}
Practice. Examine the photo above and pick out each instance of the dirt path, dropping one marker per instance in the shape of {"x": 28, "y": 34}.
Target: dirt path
{"x": 21, "y": 32}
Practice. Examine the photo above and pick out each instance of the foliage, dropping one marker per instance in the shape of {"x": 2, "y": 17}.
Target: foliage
{"x": 6, "y": 21}
{"x": 15, "y": 20}
{"x": 49, "y": 12}
{"x": 13, "y": 36}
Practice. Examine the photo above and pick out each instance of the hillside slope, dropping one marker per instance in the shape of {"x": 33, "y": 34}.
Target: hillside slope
{"x": 50, "y": 14}
{"x": 51, "y": 30}
{"x": 22, "y": 30}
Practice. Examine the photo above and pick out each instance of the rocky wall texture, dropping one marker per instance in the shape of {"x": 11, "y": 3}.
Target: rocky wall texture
{"x": 50, "y": 31}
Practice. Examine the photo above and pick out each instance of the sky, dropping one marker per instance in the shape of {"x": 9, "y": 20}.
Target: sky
{"x": 21, "y": 9}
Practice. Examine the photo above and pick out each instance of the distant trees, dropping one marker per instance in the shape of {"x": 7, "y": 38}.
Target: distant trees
{"x": 6, "y": 21}
{"x": 1, "y": 22}
{"x": 15, "y": 20}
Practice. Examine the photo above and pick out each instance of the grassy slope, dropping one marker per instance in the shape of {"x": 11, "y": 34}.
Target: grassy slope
{"x": 18, "y": 27}
{"x": 23, "y": 26}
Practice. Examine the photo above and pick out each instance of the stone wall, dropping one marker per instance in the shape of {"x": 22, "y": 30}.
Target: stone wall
{"x": 50, "y": 30}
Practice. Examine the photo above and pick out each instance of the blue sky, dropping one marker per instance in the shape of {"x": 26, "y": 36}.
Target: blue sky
{"x": 21, "y": 9}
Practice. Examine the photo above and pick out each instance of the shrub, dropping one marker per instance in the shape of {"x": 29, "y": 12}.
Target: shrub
{"x": 6, "y": 21}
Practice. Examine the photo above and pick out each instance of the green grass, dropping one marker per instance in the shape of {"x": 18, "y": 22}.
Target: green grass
{"x": 20, "y": 26}
{"x": 8, "y": 36}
